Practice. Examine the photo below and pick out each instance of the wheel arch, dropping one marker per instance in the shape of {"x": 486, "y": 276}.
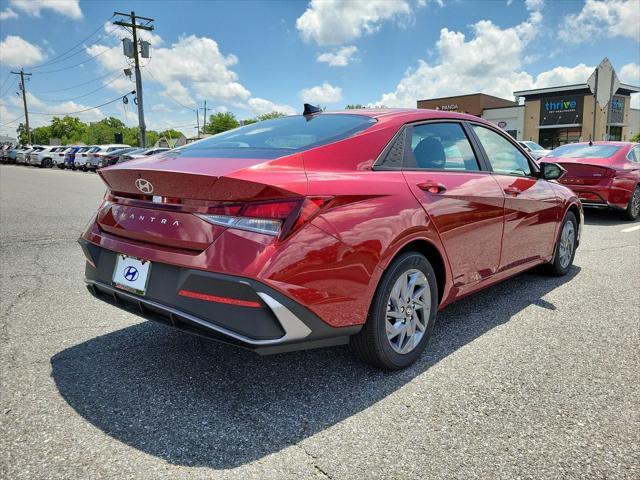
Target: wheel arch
{"x": 433, "y": 255}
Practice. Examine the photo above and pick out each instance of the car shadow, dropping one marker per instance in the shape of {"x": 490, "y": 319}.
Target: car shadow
{"x": 194, "y": 402}
{"x": 604, "y": 217}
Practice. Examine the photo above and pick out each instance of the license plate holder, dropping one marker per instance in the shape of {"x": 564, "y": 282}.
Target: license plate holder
{"x": 131, "y": 274}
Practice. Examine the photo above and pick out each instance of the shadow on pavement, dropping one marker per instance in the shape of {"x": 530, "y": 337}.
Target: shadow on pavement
{"x": 197, "y": 403}
{"x": 604, "y": 217}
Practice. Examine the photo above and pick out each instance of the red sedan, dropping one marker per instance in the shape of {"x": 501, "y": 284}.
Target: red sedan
{"x": 603, "y": 174}
{"x": 327, "y": 228}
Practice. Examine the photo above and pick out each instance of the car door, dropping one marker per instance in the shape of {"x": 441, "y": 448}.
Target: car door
{"x": 531, "y": 207}
{"x": 464, "y": 203}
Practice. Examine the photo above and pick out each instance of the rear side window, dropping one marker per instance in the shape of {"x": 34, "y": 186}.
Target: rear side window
{"x": 503, "y": 156}
{"x": 584, "y": 151}
{"x": 280, "y": 136}
{"x": 634, "y": 154}
{"x": 440, "y": 146}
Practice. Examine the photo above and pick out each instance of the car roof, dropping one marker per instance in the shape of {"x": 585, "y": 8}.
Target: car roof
{"x": 614, "y": 144}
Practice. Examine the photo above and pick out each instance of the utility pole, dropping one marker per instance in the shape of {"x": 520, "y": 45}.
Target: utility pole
{"x": 134, "y": 27}
{"x": 198, "y": 121}
{"x": 24, "y": 101}
{"x": 204, "y": 121}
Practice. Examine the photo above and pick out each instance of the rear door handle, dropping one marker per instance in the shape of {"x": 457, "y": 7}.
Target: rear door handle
{"x": 513, "y": 191}
{"x": 432, "y": 187}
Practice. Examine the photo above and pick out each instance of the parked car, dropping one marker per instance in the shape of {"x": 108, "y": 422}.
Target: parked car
{"x": 12, "y": 156}
{"x": 113, "y": 157}
{"x": 82, "y": 157}
{"x": 70, "y": 157}
{"x": 602, "y": 174}
{"x": 22, "y": 155}
{"x": 535, "y": 150}
{"x": 143, "y": 153}
{"x": 327, "y": 228}
{"x": 4, "y": 152}
{"x": 58, "y": 156}
{"x": 43, "y": 156}
{"x": 95, "y": 155}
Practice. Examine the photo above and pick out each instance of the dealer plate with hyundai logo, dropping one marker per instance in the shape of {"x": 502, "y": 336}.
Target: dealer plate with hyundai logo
{"x": 131, "y": 274}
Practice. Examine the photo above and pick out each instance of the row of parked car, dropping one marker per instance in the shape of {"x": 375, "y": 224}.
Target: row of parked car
{"x": 74, "y": 157}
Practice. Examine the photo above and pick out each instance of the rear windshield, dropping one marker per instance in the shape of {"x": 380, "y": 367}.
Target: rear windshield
{"x": 280, "y": 136}
{"x": 584, "y": 151}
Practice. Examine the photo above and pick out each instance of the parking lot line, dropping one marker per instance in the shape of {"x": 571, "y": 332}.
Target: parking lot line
{"x": 630, "y": 229}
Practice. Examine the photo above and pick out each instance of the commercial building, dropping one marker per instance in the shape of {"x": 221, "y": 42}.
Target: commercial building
{"x": 551, "y": 116}
{"x": 559, "y": 115}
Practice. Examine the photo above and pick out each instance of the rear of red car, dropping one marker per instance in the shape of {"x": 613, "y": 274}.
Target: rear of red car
{"x": 597, "y": 173}
{"x": 206, "y": 238}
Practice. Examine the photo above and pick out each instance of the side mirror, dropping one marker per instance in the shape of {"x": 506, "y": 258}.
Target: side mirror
{"x": 551, "y": 171}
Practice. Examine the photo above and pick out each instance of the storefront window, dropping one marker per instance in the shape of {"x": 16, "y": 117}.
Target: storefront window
{"x": 551, "y": 138}
{"x": 615, "y": 134}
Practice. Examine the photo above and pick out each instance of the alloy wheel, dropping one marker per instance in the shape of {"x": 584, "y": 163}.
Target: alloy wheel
{"x": 408, "y": 311}
{"x": 567, "y": 244}
{"x": 635, "y": 203}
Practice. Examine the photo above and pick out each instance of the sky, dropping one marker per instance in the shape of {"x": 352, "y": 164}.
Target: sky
{"x": 253, "y": 57}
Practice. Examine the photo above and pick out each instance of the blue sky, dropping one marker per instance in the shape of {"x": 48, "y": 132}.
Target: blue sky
{"x": 252, "y": 57}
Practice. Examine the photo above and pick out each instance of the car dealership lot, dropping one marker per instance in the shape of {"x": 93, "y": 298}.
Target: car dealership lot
{"x": 537, "y": 377}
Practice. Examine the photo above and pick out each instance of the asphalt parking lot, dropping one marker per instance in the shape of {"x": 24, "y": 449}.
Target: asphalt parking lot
{"x": 535, "y": 378}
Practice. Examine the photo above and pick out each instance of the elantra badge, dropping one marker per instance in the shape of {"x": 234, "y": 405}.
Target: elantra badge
{"x": 144, "y": 186}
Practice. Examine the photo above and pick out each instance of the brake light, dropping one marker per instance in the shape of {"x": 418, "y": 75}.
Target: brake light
{"x": 278, "y": 218}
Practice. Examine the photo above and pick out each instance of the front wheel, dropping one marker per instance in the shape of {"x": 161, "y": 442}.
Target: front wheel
{"x": 633, "y": 208}
{"x": 565, "y": 247}
{"x": 401, "y": 316}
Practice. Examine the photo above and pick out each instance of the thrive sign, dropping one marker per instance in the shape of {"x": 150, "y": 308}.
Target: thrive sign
{"x": 565, "y": 110}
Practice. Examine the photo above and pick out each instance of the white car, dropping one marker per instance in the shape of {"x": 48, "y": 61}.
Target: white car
{"x": 146, "y": 153}
{"x": 22, "y": 156}
{"x": 535, "y": 150}
{"x": 58, "y": 156}
{"x": 82, "y": 156}
{"x": 43, "y": 156}
{"x": 96, "y": 155}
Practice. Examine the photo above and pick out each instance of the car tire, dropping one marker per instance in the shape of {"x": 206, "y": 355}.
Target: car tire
{"x": 565, "y": 249}
{"x": 633, "y": 208}
{"x": 376, "y": 343}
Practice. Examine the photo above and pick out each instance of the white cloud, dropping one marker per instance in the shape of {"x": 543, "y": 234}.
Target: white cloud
{"x": 490, "y": 62}
{"x": 7, "y": 13}
{"x": 321, "y": 94}
{"x": 338, "y": 58}
{"x": 333, "y": 22}
{"x": 613, "y": 18}
{"x": 564, "y": 76}
{"x": 630, "y": 73}
{"x": 68, "y": 8}
{"x": 260, "y": 106}
{"x": 17, "y": 52}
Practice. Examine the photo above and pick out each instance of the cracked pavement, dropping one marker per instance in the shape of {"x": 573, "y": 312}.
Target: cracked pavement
{"x": 537, "y": 377}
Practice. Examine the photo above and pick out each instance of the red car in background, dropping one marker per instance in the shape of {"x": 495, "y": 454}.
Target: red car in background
{"x": 327, "y": 228}
{"x": 603, "y": 174}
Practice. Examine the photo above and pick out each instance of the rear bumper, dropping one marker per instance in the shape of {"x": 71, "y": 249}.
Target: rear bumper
{"x": 605, "y": 196}
{"x": 273, "y": 324}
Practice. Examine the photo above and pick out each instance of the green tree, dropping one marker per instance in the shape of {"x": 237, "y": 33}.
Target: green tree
{"x": 269, "y": 116}
{"x": 69, "y": 129}
{"x": 41, "y": 135}
{"x": 354, "y": 106}
{"x": 221, "y": 122}
{"x": 170, "y": 133}
{"x": 22, "y": 134}
{"x": 636, "y": 138}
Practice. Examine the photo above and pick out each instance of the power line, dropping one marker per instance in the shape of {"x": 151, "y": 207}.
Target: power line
{"x": 78, "y": 64}
{"x": 11, "y": 86}
{"x": 87, "y": 109}
{"x": 54, "y": 59}
{"x": 12, "y": 121}
{"x": 85, "y": 94}
{"x": 168, "y": 95}
{"x": 77, "y": 85}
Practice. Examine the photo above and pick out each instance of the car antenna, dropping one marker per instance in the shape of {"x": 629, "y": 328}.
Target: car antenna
{"x": 310, "y": 110}
{"x": 591, "y": 143}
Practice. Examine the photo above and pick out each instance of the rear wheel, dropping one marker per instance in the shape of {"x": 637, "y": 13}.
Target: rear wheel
{"x": 565, "y": 247}
{"x": 633, "y": 208}
{"x": 401, "y": 316}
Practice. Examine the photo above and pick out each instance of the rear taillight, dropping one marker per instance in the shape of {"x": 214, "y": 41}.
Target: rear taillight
{"x": 278, "y": 218}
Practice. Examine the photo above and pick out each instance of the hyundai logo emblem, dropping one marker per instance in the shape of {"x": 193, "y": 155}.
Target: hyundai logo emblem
{"x": 131, "y": 273}
{"x": 144, "y": 185}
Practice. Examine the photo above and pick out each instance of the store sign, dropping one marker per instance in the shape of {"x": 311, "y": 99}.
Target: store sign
{"x": 562, "y": 110}
{"x": 502, "y": 124}
{"x": 616, "y": 110}
{"x": 452, "y": 107}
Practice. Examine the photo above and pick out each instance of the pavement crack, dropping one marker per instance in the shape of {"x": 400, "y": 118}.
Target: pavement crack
{"x": 314, "y": 459}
